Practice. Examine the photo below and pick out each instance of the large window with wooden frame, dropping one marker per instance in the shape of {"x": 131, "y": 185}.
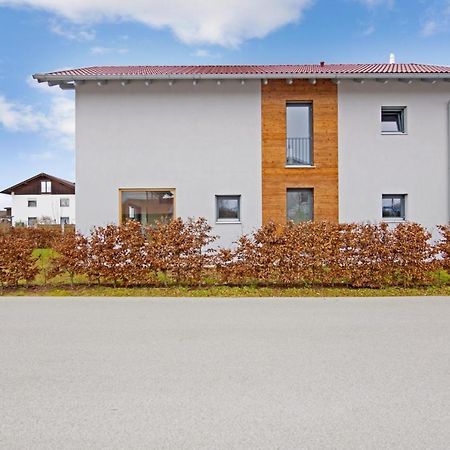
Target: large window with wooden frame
{"x": 147, "y": 206}
{"x": 299, "y": 145}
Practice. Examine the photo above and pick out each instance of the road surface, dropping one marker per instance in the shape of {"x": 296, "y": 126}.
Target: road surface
{"x": 129, "y": 373}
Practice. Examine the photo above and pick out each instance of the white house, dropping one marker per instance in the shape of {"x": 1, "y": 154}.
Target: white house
{"x": 243, "y": 145}
{"x": 42, "y": 198}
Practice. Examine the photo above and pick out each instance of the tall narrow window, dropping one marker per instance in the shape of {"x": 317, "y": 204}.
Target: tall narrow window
{"x": 46, "y": 187}
{"x": 299, "y": 148}
{"x": 300, "y": 205}
{"x": 393, "y": 119}
{"x": 148, "y": 206}
{"x": 393, "y": 207}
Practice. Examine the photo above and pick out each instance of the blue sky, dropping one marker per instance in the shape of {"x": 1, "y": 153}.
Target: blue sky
{"x": 36, "y": 122}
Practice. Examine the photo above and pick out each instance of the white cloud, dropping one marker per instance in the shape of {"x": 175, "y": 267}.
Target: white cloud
{"x": 430, "y": 27}
{"x": 45, "y": 155}
{"x": 221, "y": 22}
{"x": 107, "y": 50}
{"x": 56, "y": 121}
{"x": 72, "y": 33}
{"x": 438, "y": 20}
{"x": 204, "y": 53}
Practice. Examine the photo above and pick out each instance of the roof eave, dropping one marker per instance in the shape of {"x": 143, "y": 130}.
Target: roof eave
{"x": 48, "y": 77}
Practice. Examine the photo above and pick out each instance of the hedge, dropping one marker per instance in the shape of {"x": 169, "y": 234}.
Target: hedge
{"x": 180, "y": 252}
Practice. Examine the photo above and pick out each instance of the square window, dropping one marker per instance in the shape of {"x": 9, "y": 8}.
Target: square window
{"x": 64, "y": 221}
{"x": 32, "y": 203}
{"x": 228, "y": 208}
{"x": 300, "y": 205}
{"x": 393, "y": 206}
{"x": 393, "y": 119}
{"x": 64, "y": 202}
{"x": 148, "y": 206}
{"x": 32, "y": 221}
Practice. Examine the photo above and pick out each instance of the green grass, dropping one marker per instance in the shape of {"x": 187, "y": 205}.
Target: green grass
{"x": 223, "y": 291}
{"x": 60, "y": 287}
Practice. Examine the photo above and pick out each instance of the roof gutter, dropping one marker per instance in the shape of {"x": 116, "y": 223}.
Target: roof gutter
{"x": 48, "y": 77}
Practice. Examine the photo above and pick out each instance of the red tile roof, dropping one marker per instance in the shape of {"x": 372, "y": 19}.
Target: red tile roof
{"x": 245, "y": 71}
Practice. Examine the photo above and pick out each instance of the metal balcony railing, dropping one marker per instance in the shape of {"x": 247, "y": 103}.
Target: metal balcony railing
{"x": 299, "y": 151}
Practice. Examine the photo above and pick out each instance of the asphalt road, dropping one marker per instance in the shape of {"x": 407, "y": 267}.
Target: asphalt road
{"x": 224, "y": 373}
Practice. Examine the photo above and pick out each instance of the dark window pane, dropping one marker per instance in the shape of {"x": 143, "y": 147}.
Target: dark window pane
{"x": 300, "y": 205}
{"x": 393, "y": 119}
{"x": 148, "y": 207}
{"x": 393, "y": 206}
{"x": 228, "y": 207}
{"x": 32, "y": 203}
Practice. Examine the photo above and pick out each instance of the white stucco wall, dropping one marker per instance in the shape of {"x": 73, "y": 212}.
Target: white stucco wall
{"x": 372, "y": 164}
{"x": 47, "y": 205}
{"x": 202, "y": 140}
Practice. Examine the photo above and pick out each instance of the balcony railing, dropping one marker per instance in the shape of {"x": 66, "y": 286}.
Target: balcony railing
{"x": 299, "y": 151}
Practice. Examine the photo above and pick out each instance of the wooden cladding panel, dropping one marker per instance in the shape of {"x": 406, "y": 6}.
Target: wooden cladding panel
{"x": 33, "y": 187}
{"x": 323, "y": 177}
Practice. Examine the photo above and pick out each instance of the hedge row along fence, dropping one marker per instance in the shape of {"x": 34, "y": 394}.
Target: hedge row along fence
{"x": 41, "y": 236}
{"x": 180, "y": 252}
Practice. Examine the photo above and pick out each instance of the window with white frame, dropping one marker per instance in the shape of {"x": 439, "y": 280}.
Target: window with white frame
{"x": 46, "y": 187}
{"x": 228, "y": 208}
{"x": 393, "y": 119}
{"x": 394, "y": 206}
{"x": 64, "y": 202}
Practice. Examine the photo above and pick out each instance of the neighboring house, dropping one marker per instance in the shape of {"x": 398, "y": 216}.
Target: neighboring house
{"x": 243, "y": 145}
{"x": 42, "y": 199}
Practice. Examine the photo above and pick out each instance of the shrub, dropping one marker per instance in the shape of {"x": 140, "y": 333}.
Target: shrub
{"x": 71, "y": 255}
{"x": 413, "y": 255}
{"x": 40, "y": 236}
{"x": 16, "y": 261}
{"x": 117, "y": 254}
{"x": 323, "y": 253}
{"x": 311, "y": 253}
{"x": 180, "y": 250}
{"x": 443, "y": 247}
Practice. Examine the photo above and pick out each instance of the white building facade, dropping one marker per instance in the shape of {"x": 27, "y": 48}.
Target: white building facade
{"x": 197, "y": 143}
{"x": 243, "y": 145}
{"x": 413, "y": 163}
